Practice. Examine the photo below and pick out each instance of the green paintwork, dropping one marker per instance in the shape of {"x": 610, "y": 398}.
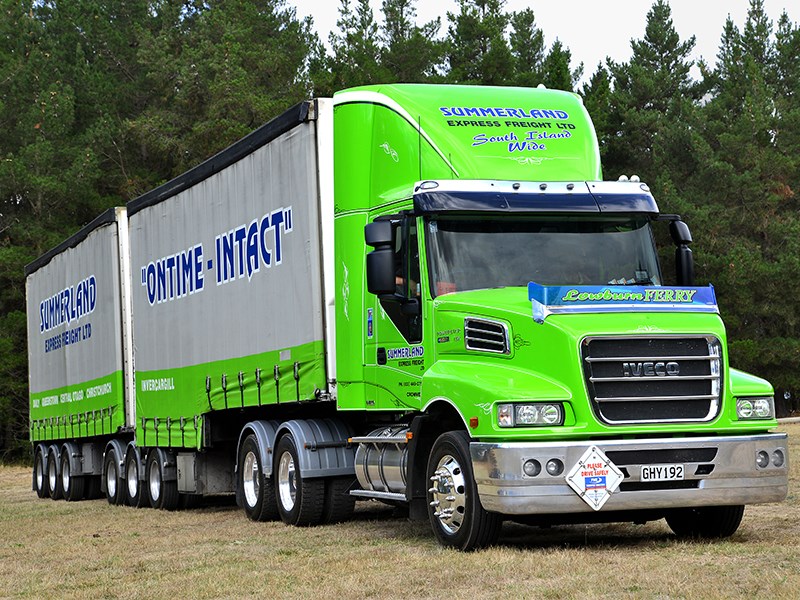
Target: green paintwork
{"x": 389, "y": 137}
{"x": 382, "y": 152}
{"x": 81, "y": 410}
{"x": 164, "y": 396}
{"x": 545, "y": 364}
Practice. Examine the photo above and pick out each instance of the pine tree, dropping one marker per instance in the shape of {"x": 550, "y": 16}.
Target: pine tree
{"x": 477, "y": 49}
{"x": 654, "y": 99}
{"x": 356, "y": 48}
{"x": 596, "y": 96}
{"x": 410, "y": 53}
{"x": 229, "y": 68}
{"x": 748, "y": 190}
{"x": 556, "y": 73}
{"x": 527, "y": 49}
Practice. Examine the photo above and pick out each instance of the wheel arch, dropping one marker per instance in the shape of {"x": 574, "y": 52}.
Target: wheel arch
{"x": 117, "y": 446}
{"x": 322, "y": 446}
{"x": 439, "y": 417}
{"x": 75, "y": 456}
{"x": 265, "y": 433}
{"x": 167, "y": 461}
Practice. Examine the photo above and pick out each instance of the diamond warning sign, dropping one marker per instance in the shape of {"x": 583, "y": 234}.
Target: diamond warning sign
{"x": 594, "y": 478}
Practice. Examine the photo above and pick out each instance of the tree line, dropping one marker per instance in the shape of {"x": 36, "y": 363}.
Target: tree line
{"x": 102, "y": 100}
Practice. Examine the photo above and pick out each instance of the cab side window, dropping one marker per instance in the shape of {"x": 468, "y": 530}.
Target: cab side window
{"x": 406, "y": 313}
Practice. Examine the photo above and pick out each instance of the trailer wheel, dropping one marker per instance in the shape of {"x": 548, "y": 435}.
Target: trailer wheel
{"x": 709, "y": 522}
{"x": 54, "y": 474}
{"x": 72, "y": 485}
{"x": 114, "y": 493}
{"x": 162, "y": 494}
{"x": 456, "y": 515}
{"x": 40, "y": 473}
{"x": 300, "y": 500}
{"x": 258, "y": 488}
{"x": 134, "y": 494}
{"x": 339, "y": 504}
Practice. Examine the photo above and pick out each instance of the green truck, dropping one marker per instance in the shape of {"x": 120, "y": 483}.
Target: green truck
{"x": 419, "y": 294}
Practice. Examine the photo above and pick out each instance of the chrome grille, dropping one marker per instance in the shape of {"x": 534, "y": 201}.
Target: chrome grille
{"x": 486, "y": 336}
{"x": 653, "y": 379}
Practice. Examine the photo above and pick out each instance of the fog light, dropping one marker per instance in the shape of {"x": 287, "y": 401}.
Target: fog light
{"x": 777, "y": 458}
{"x": 554, "y": 467}
{"x": 532, "y": 468}
{"x": 762, "y": 459}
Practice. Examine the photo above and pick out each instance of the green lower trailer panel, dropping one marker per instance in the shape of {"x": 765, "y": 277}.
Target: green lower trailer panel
{"x": 90, "y": 408}
{"x": 170, "y": 403}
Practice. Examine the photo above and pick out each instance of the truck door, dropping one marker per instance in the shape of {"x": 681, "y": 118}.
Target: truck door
{"x": 395, "y": 352}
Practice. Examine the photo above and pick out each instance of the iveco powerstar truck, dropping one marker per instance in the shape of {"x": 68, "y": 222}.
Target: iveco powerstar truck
{"x": 425, "y": 295}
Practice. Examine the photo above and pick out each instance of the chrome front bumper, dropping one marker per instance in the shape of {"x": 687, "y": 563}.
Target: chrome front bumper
{"x": 718, "y": 471}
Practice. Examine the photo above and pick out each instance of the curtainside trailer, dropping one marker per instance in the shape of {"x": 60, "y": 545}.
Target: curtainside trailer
{"x": 419, "y": 294}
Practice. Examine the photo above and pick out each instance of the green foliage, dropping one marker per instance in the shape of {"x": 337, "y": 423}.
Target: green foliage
{"x": 102, "y": 100}
{"x": 477, "y": 49}
{"x": 597, "y": 100}
{"x": 411, "y": 54}
{"x": 356, "y": 56}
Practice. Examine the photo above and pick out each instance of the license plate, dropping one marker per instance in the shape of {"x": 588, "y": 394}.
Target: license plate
{"x": 662, "y": 473}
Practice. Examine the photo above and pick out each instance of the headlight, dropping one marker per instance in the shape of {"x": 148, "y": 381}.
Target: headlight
{"x": 530, "y": 414}
{"x": 748, "y": 409}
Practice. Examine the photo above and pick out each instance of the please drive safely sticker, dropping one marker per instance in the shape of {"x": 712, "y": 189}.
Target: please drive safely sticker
{"x": 594, "y": 478}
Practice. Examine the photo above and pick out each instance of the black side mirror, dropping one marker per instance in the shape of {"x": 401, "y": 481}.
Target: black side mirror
{"x": 380, "y": 262}
{"x": 684, "y": 261}
{"x": 680, "y": 233}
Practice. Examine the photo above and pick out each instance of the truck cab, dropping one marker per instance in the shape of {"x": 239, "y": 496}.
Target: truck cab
{"x": 547, "y": 372}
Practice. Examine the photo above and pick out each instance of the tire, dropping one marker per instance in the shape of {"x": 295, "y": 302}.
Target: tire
{"x": 54, "y": 474}
{"x": 92, "y": 489}
{"x": 134, "y": 492}
{"x": 300, "y": 500}
{"x": 457, "y": 518}
{"x": 339, "y": 504}
{"x": 72, "y": 486}
{"x": 111, "y": 476}
{"x": 40, "y": 473}
{"x": 708, "y": 522}
{"x": 257, "y": 487}
{"x": 162, "y": 494}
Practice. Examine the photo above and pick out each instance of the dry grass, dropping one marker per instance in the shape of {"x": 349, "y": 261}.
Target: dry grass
{"x": 93, "y": 550}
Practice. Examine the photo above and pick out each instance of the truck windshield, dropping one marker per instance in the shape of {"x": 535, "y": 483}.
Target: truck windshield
{"x": 466, "y": 253}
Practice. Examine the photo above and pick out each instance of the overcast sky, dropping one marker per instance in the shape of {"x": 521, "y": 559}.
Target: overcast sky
{"x": 591, "y": 29}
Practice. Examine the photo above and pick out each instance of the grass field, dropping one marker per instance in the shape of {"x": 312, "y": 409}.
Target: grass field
{"x": 92, "y": 550}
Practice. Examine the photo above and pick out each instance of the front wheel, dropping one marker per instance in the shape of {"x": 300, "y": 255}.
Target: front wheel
{"x": 709, "y": 522}
{"x": 456, "y": 515}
